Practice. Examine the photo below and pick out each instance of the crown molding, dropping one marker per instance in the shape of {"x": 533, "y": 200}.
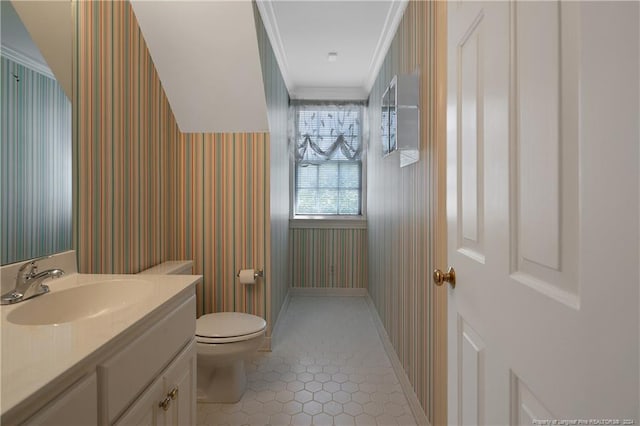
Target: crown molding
{"x": 268, "y": 15}
{"x": 330, "y": 93}
{"x": 26, "y": 61}
{"x": 391, "y": 23}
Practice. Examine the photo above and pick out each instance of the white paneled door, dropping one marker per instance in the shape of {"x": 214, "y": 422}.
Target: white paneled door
{"x": 543, "y": 212}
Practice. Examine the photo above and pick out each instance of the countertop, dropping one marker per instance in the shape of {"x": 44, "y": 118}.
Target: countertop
{"x": 35, "y": 356}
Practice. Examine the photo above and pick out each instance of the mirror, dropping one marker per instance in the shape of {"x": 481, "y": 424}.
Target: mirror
{"x": 401, "y": 118}
{"x": 385, "y": 122}
{"x": 35, "y": 149}
{"x": 393, "y": 127}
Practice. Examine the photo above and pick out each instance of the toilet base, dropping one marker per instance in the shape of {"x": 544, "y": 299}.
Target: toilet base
{"x": 225, "y": 383}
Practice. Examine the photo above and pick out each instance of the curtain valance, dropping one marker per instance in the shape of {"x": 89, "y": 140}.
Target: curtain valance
{"x": 326, "y": 131}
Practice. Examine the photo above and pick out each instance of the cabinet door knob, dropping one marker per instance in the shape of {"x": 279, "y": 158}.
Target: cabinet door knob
{"x": 173, "y": 394}
{"x": 164, "y": 404}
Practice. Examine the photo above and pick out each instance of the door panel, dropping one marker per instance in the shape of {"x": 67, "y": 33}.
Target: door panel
{"x": 471, "y": 367}
{"x": 543, "y": 207}
{"x": 526, "y": 408}
{"x": 544, "y": 142}
{"x": 471, "y": 166}
{"x": 537, "y": 79}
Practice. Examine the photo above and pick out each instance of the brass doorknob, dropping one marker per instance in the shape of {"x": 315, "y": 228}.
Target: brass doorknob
{"x": 440, "y": 277}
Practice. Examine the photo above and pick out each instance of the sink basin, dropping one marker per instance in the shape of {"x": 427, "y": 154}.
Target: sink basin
{"x": 79, "y": 303}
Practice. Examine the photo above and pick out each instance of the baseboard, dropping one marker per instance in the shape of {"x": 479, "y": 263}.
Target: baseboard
{"x": 412, "y": 398}
{"x": 267, "y": 344}
{"x": 327, "y": 291}
{"x": 285, "y": 305}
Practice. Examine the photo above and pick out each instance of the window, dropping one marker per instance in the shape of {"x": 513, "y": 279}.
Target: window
{"x": 328, "y": 162}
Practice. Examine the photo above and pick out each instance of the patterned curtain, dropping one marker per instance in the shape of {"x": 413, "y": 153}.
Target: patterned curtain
{"x": 325, "y": 131}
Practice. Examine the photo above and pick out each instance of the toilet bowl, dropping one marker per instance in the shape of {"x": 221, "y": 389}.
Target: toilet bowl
{"x": 224, "y": 340}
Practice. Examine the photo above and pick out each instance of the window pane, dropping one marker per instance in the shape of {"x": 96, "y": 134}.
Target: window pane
{"x": 307, "y": 176}
{"x": 328, "y": 175}
{"x": 328, "y": 201}
{"x": 349, "y": 201}
{"x": 307, "y": 201}
{"x": 328, "y": 170}
{"x": 349, "y": 175}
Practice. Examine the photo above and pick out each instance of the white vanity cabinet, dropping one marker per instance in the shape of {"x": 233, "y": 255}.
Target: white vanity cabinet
{"x": 141, "y": 369}
{"x": 77, "y": 406}
{"x": 132, "y": 367}
{"x": 180, "y": 385}
{"x": 171, "y": 399}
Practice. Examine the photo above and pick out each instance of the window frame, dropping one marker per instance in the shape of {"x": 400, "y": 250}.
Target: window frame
{"x": 331, "y": 220}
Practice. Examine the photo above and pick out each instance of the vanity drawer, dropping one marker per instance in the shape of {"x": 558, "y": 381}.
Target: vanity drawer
{"x": 126, "y": 375}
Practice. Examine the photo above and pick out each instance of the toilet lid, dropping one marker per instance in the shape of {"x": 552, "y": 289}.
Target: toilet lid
{"x": 229, "y": 326}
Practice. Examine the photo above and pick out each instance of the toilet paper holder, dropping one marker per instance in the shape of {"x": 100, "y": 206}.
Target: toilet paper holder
{"x": 256, "y": 274}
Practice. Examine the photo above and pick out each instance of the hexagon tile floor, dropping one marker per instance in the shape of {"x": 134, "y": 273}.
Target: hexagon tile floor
{"x": 327, "y": 367}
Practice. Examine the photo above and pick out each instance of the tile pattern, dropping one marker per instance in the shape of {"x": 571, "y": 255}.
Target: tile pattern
{"x": 328, "y": 258}
{"x": 400, "y": 208}
{"x": 328, "y": 367}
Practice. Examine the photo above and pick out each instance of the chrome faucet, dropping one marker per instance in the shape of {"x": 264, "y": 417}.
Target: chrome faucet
{"x": 29, "y": 283}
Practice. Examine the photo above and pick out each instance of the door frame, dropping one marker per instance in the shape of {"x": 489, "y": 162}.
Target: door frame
{"x": 439, "y": 187}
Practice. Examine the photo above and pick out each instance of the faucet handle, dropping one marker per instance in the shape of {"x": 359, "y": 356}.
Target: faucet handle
{"x": 32, "y": 263}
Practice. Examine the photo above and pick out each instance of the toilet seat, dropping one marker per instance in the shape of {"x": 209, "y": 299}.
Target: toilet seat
{"x": 228, "y": 327}
{"x": 221, "y": 340}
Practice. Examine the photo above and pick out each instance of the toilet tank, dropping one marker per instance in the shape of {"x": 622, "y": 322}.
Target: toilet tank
{"x": 171, "y": 267}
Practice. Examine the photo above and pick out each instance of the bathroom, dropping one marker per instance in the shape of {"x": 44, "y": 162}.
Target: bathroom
{"x": 144, "y": 191}
{"x": 173, "y": 155}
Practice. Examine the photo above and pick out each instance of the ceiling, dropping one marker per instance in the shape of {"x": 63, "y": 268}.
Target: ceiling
{"x": 39, "y": 35}
{"x": 203, "y": 94}
{"x": 16, "y": 37}
{"x": 303, "y": 32}
{"x": 206, "y": 54}
{"x": 207, "y": 58}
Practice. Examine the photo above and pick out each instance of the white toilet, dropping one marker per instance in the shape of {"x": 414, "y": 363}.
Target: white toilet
{"x": 224, "y": 341}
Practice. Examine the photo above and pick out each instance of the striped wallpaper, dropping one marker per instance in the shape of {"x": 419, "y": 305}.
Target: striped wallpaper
{"x": 123, "y": 129}
{"x": 328, "y": 258}
{"x": 35, "y": 165}
{"x": 219, "y": 215}
{"x": 277, "y": 98}
{"x": 401, "y": 208}
{"x": 145, "y": 192}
